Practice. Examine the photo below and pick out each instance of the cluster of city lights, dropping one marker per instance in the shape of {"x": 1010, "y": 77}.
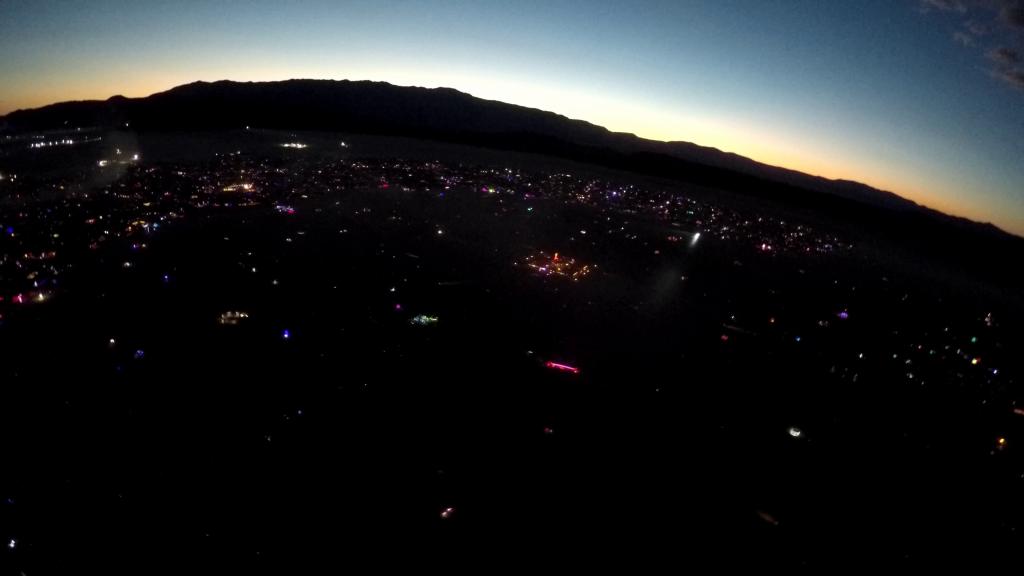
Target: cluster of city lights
{"x": 555, "y": 265}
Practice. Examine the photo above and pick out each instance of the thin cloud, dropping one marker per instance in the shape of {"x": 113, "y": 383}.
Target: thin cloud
{"x": 1014, "y": 77}
{"x": 976, "y": 28}
{"x": 943, "y": 6}
{"x": 991, "y": 22}
{"x": 1005, "y": 56}
{"x": 1013, "y": 14}
{"x": 963, "y": 38}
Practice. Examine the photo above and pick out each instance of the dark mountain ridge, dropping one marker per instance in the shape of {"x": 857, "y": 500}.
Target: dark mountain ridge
{"x": 450, "y": 115}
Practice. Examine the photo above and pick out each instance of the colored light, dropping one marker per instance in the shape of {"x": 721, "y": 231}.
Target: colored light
{"x": 562, "y": 367}
{"x": 423, "y": 320}
{"x": 286, "y": 334}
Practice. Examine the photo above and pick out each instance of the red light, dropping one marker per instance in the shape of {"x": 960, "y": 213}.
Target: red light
{"x": 562, "y": 367}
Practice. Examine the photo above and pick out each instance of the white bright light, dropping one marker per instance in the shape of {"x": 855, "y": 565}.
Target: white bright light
{"x": 795, "y": 432}
{"x": 696, "y": 236}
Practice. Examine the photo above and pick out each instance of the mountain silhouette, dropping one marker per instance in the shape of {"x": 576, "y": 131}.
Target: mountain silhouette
{"x": 450, "y": 115}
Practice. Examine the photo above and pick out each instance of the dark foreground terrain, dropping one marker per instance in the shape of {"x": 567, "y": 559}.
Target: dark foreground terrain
{"x": 226, "y": 352}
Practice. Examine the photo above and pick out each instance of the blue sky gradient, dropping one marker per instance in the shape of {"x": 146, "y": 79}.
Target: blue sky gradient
{"x": 906, "y": 95}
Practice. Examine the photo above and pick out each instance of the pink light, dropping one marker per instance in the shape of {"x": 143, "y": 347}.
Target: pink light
{"x": 562, "y": 367}
{"x": 18, "y": 299}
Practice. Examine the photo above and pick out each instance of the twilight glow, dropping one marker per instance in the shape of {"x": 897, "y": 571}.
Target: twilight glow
{"x": 896, "y": 94}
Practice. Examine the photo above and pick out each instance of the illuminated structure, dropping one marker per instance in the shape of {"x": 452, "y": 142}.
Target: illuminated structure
{"x": 558, "y": 266}
{"x": 231, "y": 318}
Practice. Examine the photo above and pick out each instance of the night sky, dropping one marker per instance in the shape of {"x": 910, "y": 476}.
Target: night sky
{"x": 921, "y": 97}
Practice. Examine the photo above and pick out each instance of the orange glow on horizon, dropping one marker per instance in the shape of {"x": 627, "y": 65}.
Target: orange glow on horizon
{"x": 763, "y": 144}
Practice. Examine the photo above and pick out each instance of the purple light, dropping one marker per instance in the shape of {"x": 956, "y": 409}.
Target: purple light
{"x": 562, "y": 367}
{"x": 843, "y": 315}
{"x": 286, "y": 334}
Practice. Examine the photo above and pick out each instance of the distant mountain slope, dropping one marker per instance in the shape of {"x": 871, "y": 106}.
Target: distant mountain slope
{"x": 447, "y": 114}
